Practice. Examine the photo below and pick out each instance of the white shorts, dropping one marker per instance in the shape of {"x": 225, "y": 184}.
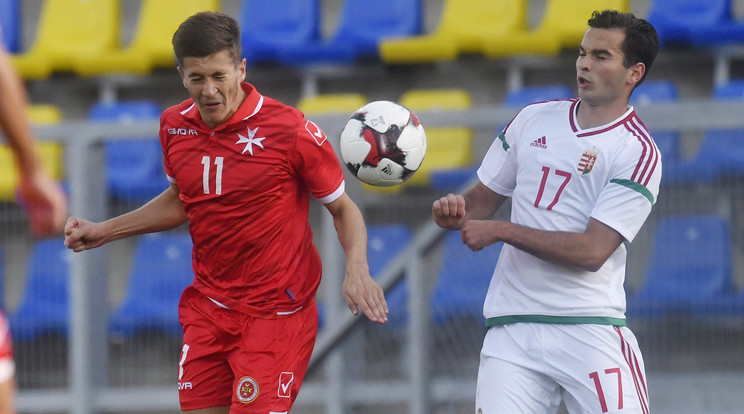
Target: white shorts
{"x": 530, "y": 367}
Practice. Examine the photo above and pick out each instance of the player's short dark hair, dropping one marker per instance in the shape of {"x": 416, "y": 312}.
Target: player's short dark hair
{"x": 641, "y": 42}
{"x": 206, "y": 33}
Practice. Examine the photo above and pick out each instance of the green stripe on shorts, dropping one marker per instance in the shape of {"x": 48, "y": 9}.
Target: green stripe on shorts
{"x": 566, "y": 320}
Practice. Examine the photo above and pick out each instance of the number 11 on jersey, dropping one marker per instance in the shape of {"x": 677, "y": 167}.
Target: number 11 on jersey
{"x": 218, "y": 161}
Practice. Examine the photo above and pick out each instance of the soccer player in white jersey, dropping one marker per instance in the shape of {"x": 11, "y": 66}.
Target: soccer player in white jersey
{"x": 583, "y": 175}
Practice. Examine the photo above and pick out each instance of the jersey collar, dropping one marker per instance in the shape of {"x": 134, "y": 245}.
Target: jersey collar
{"x": 573, "y": 120}
{"x": 250, "y": 106}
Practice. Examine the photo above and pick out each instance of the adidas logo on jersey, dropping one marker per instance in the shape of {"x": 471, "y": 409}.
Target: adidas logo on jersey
{"x": 540, "y": 143}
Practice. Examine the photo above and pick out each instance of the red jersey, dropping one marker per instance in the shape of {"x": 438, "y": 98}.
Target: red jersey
{"x": 245, "y": 186}
{"x": 7, "y": 366}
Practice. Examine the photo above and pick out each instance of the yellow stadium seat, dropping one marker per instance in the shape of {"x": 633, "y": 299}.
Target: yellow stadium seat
{"x": 51, "y": 153}
{"x": 67, "y": 29}
{"x": 463, "y": 28}
{"x": 151, "y": 45}
{"x": 446, "y": 148}
{"x": 343, "y": 103}
{"x": 563, "y": 26}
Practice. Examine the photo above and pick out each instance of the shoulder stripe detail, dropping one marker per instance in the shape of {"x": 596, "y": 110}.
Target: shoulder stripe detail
{"x": 258, "y": 107}
{"x": 551, "y": 319}
{"x": 649, "y": 156}
{"x": 502, "y": 137}
{"x": 636, "y": 187}
{"x": 185, "y": 111}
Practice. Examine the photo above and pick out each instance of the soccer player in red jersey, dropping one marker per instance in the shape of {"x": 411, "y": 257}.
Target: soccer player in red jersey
{"x": 242, "y": 167}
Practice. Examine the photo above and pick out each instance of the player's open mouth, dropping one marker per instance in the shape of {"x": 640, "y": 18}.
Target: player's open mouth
{"x": 582, "y": 81}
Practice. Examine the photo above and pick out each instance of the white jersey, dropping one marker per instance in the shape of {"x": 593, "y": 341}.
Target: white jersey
{"x": 558, "y": 176}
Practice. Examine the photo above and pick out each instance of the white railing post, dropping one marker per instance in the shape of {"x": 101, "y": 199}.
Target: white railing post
{"x": 88, "y": 289}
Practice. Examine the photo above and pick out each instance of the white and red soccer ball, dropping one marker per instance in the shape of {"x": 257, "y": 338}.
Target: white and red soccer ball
{"x": 383, "y": 143}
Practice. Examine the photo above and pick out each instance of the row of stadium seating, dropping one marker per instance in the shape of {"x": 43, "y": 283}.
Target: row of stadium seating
{"x": 83, "y": 36}
{"x": 689, "y": 271}
{"x": 134, "y": 170}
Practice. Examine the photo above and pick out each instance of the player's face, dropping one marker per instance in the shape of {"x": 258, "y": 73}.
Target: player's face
{"x": 213, "y": 83}
{"x": 600, "y": 74}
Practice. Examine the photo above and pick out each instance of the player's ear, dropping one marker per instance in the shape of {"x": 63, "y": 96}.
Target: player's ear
{"x": 183, "y": 78}
{"x": 636, "y": 72}
{"x": 241, "y": 68}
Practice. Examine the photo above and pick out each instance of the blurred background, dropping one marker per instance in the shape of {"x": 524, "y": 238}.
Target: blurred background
{"x": 98, "y": 332}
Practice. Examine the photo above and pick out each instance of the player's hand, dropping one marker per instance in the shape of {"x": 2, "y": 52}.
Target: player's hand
{"x": 44, "y": 202}
{"x": 477, "y": 234}
{"x": 82, "y": 234}
{"x": 362, "y": 292}
{"x": 449, "y": 211}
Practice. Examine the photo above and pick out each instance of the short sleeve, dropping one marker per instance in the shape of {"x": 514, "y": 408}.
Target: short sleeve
{"x": 163, "y": 135}
{"x": 317, "y": 164}
{"x": 498, "y": 171}
{"x": 626, "y": 200}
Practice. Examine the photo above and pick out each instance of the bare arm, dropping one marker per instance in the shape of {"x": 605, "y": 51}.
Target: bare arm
{"x": 588, "y": 250}
{"x": 42, "y": 198}
{"x": 359, "y": 289}
{"x": 164, "y": 212}
{"x": 478, "y": 203}
{"x": 7, "y": 396}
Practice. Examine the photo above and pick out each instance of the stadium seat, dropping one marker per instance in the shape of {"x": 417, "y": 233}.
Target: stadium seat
{"x": 462, "y": 281}
{"x": 721, "y": 152}
{"x": 10, "y": 21}
{"x": 331, "y": 103}
{"x": 69, "y": 29}
{"x": 689, "y": 268}
{"x": 463, "y": 28}
{"x": 51, "y": 153}
{"x": 44, "y": 307}
{"x": 654, "y": 91}
{"x": 531, "y": 94}
{"x": 268, "y": 25}
{"x": 733, "y": 90}
{"x": 362, "y": 24}
{"x": 563, "y": 26}
{"x": 134, "y": 167}
{"x": 676, "y": 20}
{"x": 161, "y": 270}
{"x": 151, "y": 45}
{"x": 384, "y": 243}
{"x": 447, "y": 149}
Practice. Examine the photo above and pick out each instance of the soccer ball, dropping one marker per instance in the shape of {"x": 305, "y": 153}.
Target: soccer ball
{"x": 383, "y": 143}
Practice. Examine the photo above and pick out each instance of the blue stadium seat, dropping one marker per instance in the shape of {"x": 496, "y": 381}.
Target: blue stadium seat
{"x": 362, "y": 24}
{"x": 722, "y": 34}
{"x": 10, "y": 20}
{"x": 463, "y": 280}
{"x": 268, "y": 25}
{"x": 689, "y": 269}
{"x": 675, "y": 20}
{"x": 721, "y": 152}
{"x": 161, "y": 270}
{"x": 44, "y": 307}
{"x": 384, "y": 243}
{"x": 530, "y": 94}
{"x": 654, "y": 91}
{"x": 732, "y": 90}
{"x": 134, "y": 167}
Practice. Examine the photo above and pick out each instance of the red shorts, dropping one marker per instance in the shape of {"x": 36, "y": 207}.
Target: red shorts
{"x": 232, "y": 359}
